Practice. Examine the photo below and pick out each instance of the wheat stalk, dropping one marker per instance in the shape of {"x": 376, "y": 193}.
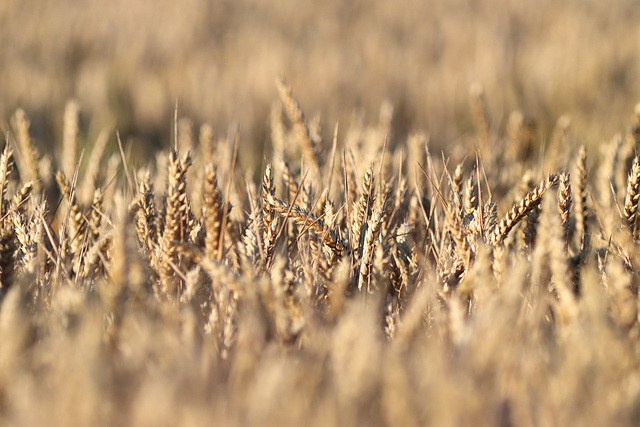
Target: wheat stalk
{"x": 521, "y": 209}
{"x": 632, "y": 197}
{"x": 213, "y": 212}
{"x": 29, "y": 153}
{"x": 581, "y": 214}
{"x": 564, "y": 204}
{"x": 70, "y": 138}
{"x": 175, "y": 230}
{"x": 294, "y": 111}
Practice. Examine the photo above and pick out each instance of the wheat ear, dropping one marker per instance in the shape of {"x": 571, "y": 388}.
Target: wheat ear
{"x": 88, "y": 184}
{"x": 70, "y": 138}
{"x": 581, "y": 211}
{"x": 481, "y": 117}
{"x": 147, "y": 218}
{"x": 369, "y": 247}
{"x": 296, "y": 115}
{"x": 7, "y": 235}
{"x": 76, "y": 223}
{"x": 175, "y": 222}
{"x": 212, "y": 212}
{"x": 362, "y": 210}
{"x": 564, "y": 204}
{"x": 632, "y": 197}
{"x": 30, "y": 155}
{"x": 520, "y": 209}
{"x": 268, "y": 214}
{"x": 305, "y": 218}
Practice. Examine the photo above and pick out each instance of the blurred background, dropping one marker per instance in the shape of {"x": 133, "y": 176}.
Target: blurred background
{"x": 128, "y": 61}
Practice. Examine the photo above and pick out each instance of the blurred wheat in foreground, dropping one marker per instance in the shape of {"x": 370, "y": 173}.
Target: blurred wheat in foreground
{"x": 359, "y": 281}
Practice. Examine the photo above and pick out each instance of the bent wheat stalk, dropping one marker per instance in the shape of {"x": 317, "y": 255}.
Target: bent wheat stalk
{"x": 521, "y": 209}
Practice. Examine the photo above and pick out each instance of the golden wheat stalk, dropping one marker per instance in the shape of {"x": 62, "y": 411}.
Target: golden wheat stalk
{"x": 633, "y": 195}
{"x": 305, "y": 218}
{"x": 212, "y": 212}
{"x": 374, "y": 227}
{"x": 268, "y": 215}
{"x": 147, "y": 217}
{"x": 70, "y": 138}
{"x": 521, "y": 209}
{"x": 581, "y": 211}
{"x": 481, "y": 119}
{"x": 564, "y": 204}
{"x": 87, "y": 186}
{"x": 294, "y": 111}
{"x": 361, "y": 211}
{"x": 175, "y": 230}
{"x": 28, "y": 151}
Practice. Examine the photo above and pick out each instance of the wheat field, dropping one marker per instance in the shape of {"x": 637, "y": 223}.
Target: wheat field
{"x": 266, "y": 256}
{"x": 374, "y": 284}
